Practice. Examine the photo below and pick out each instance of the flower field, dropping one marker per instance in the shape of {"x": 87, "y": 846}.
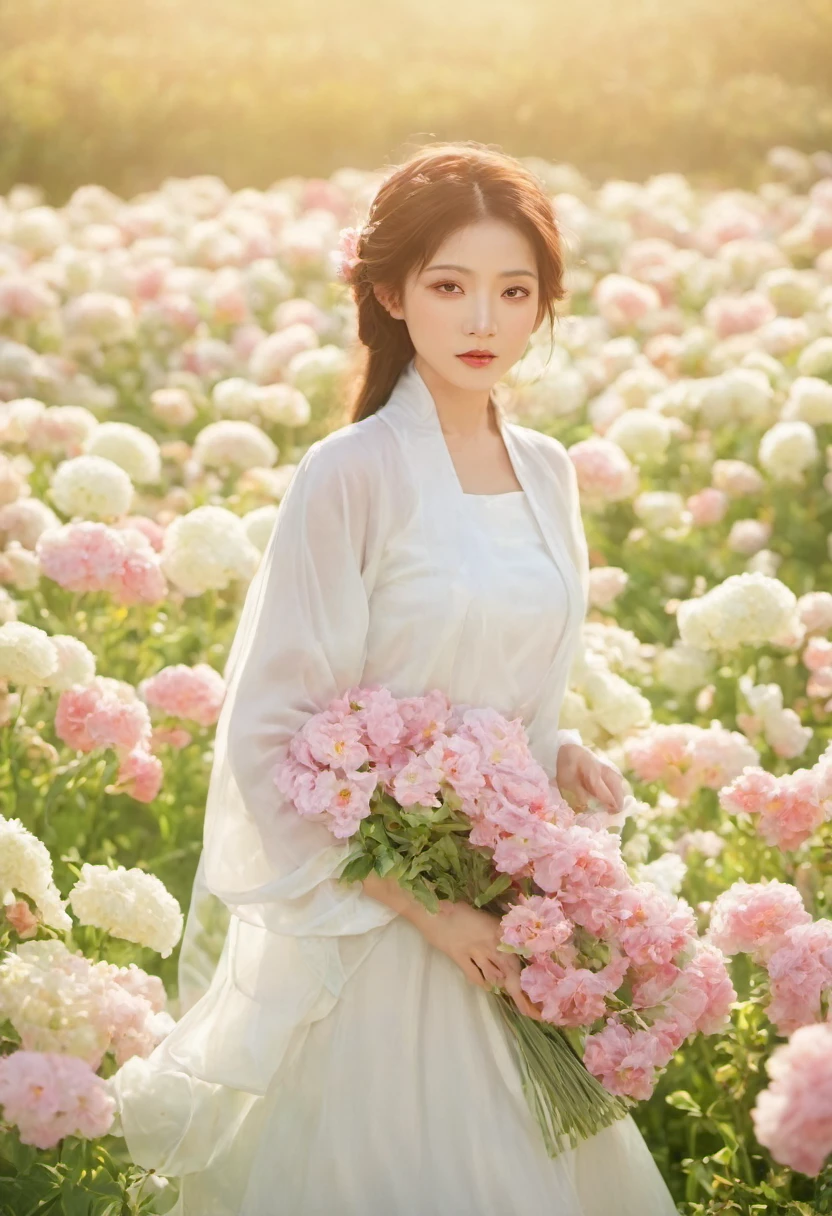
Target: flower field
{"x": 165, "y": 361}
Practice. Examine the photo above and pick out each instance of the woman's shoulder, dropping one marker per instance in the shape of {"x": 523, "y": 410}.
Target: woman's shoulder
{"x": 356, "y": 455}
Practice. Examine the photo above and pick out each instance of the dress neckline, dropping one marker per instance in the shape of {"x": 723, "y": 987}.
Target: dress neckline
{"x": 499, "y": 494}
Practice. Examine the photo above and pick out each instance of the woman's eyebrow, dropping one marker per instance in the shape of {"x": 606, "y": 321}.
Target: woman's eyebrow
{"x": 467, "y": 269}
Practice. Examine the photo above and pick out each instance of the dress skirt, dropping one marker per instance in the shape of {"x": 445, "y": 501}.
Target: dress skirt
{"x": 406, "y": 1100}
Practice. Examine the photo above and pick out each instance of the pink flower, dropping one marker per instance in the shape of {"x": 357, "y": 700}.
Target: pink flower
{"x": 345, "y": 801}
{"x": 790, "y": 807}
{"x": 75, "y": 706}
{"x": 140, "y": 775}
{"x": 22, "y": 919}
{"x": 346, "y": 257}
{"x": 793, "y": 1117}
{"x": 707, "y": 507}
{"x": 799, "y": 973}
{"x": 575, "y": 998}
{"x": 172, "y": 736}
{"x": 90, "y": 556}
{"x": 418, "y": 782}
{"x": 754, "y": 918}
{"x": 49, "y": 1096}
{"x": 84, "y": 556}
{"x": 650, "y": 926}
{"x": 335, "y": 739}
{"x": 604, "y": 471}
{"x": 195, "y": 693}
{"x": 728, "y": 315}
{"x": 579, "y": 863}
{"x": 623, "y": 301}
{"x": 536, "y": 925}
{"x": 119, "y": 724}
{"x": 536, "y": 844}
{"x": 625, "y": 1061}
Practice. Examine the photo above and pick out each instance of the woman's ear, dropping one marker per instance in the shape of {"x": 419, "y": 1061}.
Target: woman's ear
{"x": 388, "y": 300}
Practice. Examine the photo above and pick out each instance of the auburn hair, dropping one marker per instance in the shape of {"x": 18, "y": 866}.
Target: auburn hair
{"x": 437, "y": 191}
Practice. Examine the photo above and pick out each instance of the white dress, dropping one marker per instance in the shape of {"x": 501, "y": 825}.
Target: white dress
{"x": 354, "y": 1070}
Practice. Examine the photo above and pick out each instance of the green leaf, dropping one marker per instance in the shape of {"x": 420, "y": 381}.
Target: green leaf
{"x": 682, "y": 1100}
{"x": 497, "y": 887}
{"x": 357, "y": 869}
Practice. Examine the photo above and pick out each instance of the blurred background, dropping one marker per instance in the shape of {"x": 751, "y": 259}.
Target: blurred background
{"x": 257, "y": 90}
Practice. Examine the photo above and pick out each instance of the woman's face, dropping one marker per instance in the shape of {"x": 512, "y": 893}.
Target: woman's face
{"x": 478, "y": 292}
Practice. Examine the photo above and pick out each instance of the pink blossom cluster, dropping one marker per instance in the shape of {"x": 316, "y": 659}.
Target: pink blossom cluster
{"x": 768, "y": 921}
{"x": 789, "y": 807}
{"x": 817, "y": 658}
{"x": 101, "y": 715}
{"x": 195, "y": 693}
{"x": 59, "y": 1001}
{"x": 49, "y": 1096}
{"x": 685, "y": 758}
{"x": 588, "y": 927}
{"x": 91, "y": 556}
{"x": 793, "y": 1116}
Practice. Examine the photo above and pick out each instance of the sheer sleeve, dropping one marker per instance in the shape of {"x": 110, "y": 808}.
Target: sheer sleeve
{"x": 301, "y": 641}
{"x": 548, "y": 735}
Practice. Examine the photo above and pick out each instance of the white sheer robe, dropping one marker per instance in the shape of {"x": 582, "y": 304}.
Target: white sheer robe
{"x": 380, "y": 569}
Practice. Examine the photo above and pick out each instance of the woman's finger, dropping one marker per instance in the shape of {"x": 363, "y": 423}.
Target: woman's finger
{"x": 520, "y": 999}
{"x": 473, "y": 973}
{"x": 491, "y": 970}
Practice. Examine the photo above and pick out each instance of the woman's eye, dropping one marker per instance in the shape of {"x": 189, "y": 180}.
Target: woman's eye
{"x": 448, "y": 293}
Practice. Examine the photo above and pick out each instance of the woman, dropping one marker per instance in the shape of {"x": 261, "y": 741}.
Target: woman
{"x": 346, "y": 1059}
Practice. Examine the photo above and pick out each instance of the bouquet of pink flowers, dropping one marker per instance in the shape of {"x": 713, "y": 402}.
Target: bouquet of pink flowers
{"x": 449, "y": 800}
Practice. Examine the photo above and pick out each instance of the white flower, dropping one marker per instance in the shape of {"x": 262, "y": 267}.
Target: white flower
{"x": 660, "y": 509}
{"x": 787, "y": 450}
{"x": 91, "y": 487}
{"x": 810, "y": 400}
{"x": 666, "y": 872}
{"x": 17, "y": 418}
{"x": 317, "y": 373}
{"x": 816, "y": 358}
{"x": 76, "y": 663}
{"x": 101, "y": 316}
{"x": 259, "y": 525}
{"x": 207, "y": 548}
{"x": 642, "y": 433}
{"x": 26, "y": 867}
{"x": 740, "y": 394}
{"x": 683, "y": 668}
{"x": 283, "y": 404}
{"x": 746, "y": 609}
{"x": 27, "y": 654}
{"x": 235, "y": 397}
{"x": 131, "y": 448}
{"x": 233, "y": 443}
{"x": 130, "y": 904}
{"x": 616, "y": 705}
{"x": 25, "y": 520}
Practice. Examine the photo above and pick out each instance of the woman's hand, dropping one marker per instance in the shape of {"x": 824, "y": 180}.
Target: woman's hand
{"x": 581, "y": 774}
{"x": 470, "y": 936}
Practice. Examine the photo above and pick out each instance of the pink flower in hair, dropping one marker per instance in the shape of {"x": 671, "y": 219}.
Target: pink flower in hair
{"x": 346, "y": 258}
